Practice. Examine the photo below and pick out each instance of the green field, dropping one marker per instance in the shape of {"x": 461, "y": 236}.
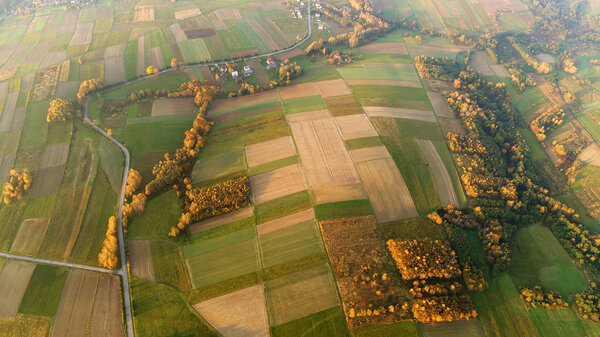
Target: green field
{"x": 343, "y": 209}
{"x": 44, "y": 291}
{"x": 407, "y": 73}
{"x": 391, "y": 96}
{"x": 221, "y": 165}
{"x": 303, "y": 104}
{"x": 279, "y": 207}
{"x": 408, "y": 329}
{"x": 168, "y": 136}
{"x": 327, "y": 323}
{"x": 194, "y": 51}
{"x": 162, "y": 212}
{"x": 169, "y": 267}
{"x": 290, "y": 243}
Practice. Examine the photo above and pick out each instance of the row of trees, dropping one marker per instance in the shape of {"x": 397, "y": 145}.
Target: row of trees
{"x": 86, "y": 87}
{"x": 19, "y": 182}
{"x": 545, "y": 122}
{"x": 540, "y": 67}
{"x": 519, "y": 78}
{"x": 536, "y": 297}
{"x": 443, "y": 309}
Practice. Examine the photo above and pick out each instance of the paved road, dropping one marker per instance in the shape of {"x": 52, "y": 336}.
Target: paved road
{"x": 123, "y": 270}
{"x": 58, "y": 263}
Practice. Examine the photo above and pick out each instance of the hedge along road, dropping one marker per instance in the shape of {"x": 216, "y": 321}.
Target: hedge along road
{"x": 123, "y": 270}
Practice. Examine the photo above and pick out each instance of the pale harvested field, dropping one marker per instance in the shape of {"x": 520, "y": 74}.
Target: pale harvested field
{"x": 267, "y": 6}
{"x": 286, "y": 221}
{"x": 56, "y": 155}
{"x": 439, "y": 105}
{"x": 140, "y": 259}
{"x": 232, "y": 103}
{"x": 386, "y": 189}
{"x": 178, "y": 33}
{"x": 40, "y": 52}
{"x": 65, "y": 68}
{"x": 83, "y": 34}
{"x": 29, "y": 237}
{"x": 8, "y": 112}
{"x": 369, "y": 153}
{"x": 13, "y": 60}
{"x": 441, "y": 177}
{"x": 397, "y": 48}
{"x": 115, "y": 51}
{"x": 335, "y": 193}
{"x": 262, "y": 33}
{"x": 288, "y": 54}
{"x": 435, "y": 50}
{"x": 219, "y": 24}
{"x": 173, "y": 106}
{"x": 5, "y": 74}
{"x": 333, "y": 88}
{"x": 104, "y": 12}
{"x": 451, "y": 125}
{"x": 157, "y": 60}
{"x": 355, "y": 126}
{"x": 4, "y": 88}
{"x": 437, "y": 86}
{"x": 221, "y": 220}
{"x": 269, "y": 151}
{"x": 141, "y": 56}
{"x": 499, "y": 70}
{"x": 323, "y": 154}
{"x": 421, "y": 115}
{"x": 14, "y": 280}
{"x": 114, "y": 70}
{"x": 238, "y": 314}
{"x": 278, "y": 183}
{"x": 47, "y": 181}
{"x": 260, "y": 72}
{"x": 480, "y": 61}
{"x": 143, "y": 13}
{"x": 299, "y": 90}
{"x": 300, "y": 294}
{"x": 76, "y": 304}
{"x": 409, "y": 84}
{"x": 120, "y": 26}
{"x": 18, "y": 119}
{"x": 27, "y": 82}
{"x": 187, "y": 13}
{"x": 591, "y": 154}
{"x": 69, "y": 22}
{"x": 227, "y": 14}
{"x": 308, "y": 116}
{"x": 107, "y": 313}
{"x": 6, "y": 164}
{"x": 545, "y": 58}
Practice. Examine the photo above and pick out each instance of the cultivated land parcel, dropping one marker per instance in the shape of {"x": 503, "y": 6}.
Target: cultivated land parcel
{"x": 340, "y": 161}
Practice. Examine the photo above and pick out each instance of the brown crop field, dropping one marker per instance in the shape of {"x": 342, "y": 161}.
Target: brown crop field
{"x": 143, "y": 13}
{"x": 286, "y": 221}
{"x": 47, "y": 181}
{"x": 39, "y": 53}
{"x": 435, "y": 50}
{"x": 299, "y": 90}
{"x": 238, "y": 314}
{"x": 141, "y": 69}
{"x": 437, "y": 86}
{"x": 156, "y": 57}
{"x": 107, "y": 316}
{"x": 441, "y": 177}
{"x": 269, "y": 151}
{"x": 334, "y": 193}
{"x": 76, "y": 304}
{"x": 13, "y": 283}
{"x": 29, "y": 237}
{"x": 451, "y": 125}
{"x": 219, "y": 24}
{"x": 410, "y": 84}
{"x": 178, "y": 32}
{"x": 591, "y": 154}
{"x": 480, "y": 62}
{"x": 333, "y": 88}
{"x": 53, "y": 58}
{"x": 173, "y": 106}
{"x": 439, "y": 105}
{"x": 9, "y": 111}
{"x": 227, "y": 14}
{"x": 260, "y": 72}
{"x": 369, "y": 153}
{"x": 69, "y": 22}
{"x": 263, "y": 34}
{"x": 221, "y": 220}
{"x": 200, "y": 33}
{"x": 355, "y": 126}
{"x": 56, "y": 155}
{"x": 499, "y": 70}
{"x": 397, "y": 48}
{"x": 140, "y": 259}
{"x": 83, "y": 34}
{"x": 187, "y": 13}
{"x": 421, "y": 115}
{"x": 469, "y": 328}
{"x": 300, "y": 294}
{"x": 6, "y": 164}
{"x": 323, "y": 154}
{"x": 386, "y": 189}
{"x": 288, "y": 54}
{"x": 308, "y": 116}
{"x": 278, "y": 183}
{"x": 114, "y": 70}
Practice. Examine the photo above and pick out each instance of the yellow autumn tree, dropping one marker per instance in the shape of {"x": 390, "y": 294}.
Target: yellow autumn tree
{"x": 59, "y": 110}
{"x": 19, "y": 182}
{"x": 151, "y": 70}
{"x": 134, "y": 181}
{"x": 108, "y": 257}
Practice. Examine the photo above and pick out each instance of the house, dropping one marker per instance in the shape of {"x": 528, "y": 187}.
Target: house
{"x": 317, "y": 15}
{"x": 223, "y": 70}
{"x": 271, "y": 64}
{"x": 321, "y": 26}
{"x": 235, "y": 74}
{"x": 299, "y": 14}
{"x": 318, "y": 5}
{"x": 247, "y": 71}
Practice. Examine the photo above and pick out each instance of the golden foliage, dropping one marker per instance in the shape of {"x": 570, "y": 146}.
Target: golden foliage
{"x": 423, "y": 259}
{"x": 19, "y": 182}
{"x": 108, "y": 257}
{"x": 59, "y": 111}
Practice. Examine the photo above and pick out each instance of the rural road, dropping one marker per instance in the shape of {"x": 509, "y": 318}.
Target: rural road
{"x": 123, "y": 255}
{"x": 58, "y": 263}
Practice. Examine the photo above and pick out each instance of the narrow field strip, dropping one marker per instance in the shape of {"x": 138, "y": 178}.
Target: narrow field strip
{"x": 441, "y": 178}
{"x": 335, "y": 193}
{"x": 221, "y": 220}
{"x": 286, "y": 221}
{"x": 275, "y": 184}
{"x": 369, "y": 153}
{"x": 355, "y": 126}
{"x": 140, "y": 259}
{"x": 426, "y": 116}
{"x": 440, "y": 107}
{"x": 14, "y": 279}
{"x": 264, "y": 152}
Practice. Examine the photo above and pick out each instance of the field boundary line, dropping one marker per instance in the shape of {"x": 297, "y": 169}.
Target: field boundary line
{"x": 58, "y": 263}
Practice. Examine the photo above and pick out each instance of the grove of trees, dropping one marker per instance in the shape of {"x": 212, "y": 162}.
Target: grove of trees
{"x": 19, "y": 182}
{"x": 59, "y": 111}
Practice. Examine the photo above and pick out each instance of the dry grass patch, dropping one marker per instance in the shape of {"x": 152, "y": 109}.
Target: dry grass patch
{"x": 178, "y": 33}
{"x": 355, "y": 126}
{"x": 369, "y": 153}
{"x": 437, "y": 86}
{"x": 299, "y": 90}
{"x": 39, "y": 53}
{"x": 6, "y": 164}
{"x": 115, "y": 51}
{"x": 114, "y": 71}
{"x": 56, "y": 155}
{"x": 386, "y": 189}
{"x": 83, "y": 34}
{"x": 14, "y": 280}
{"x": 263, "y": 33}
{"x": 141, "y": 57}
{"x": 267, "y": 6}
{"x": 29, "y": 237}
{"x": 173, "y": 106}
{"x": 343, "y": 105}
{"x": 275, "y": 184}
{"x": 435, "y": 50}
{"x": 591, "y": 154}
{"x": 421, "y": 115}
{"x": 69, "y": 22}
{"x": 410, "y": 84}
{"x": 397, "y": 48}
{"x": 76, "y": 304}
{"x": 238, "y": 314}
{"x": 107, "y": 316}
{"x": 323, "y": 154}
{"x": 47, "y": 181}
{"x": 221, "y": 220}
{"x": 187, "y": 13}
{"x": 45, "y": 83}
{"x": 227, "y": 14}
{"x": 156, "y": 58}
{"x": 265, "y": 152}
{"x": 499, "y": 70}
{"x": 143, "y": 13}
{"x": 480, "y": 62}
{"x": 441, "y": 178}
{"x": 300, "y": 294}
{"x": 451, "y": 125}
{"x": 5, "y": 74}
{"x": 288, "y": 54}
{"x": 361, "y": 266}
{"x": 8, "y": 112}
{"x": 200, "y": 33}
{"x": 334, "y": 193}
{"x": 308, "y": 116}
{"x": 439, "y": 105}
{"x": 286, "y": 221}
{"x": 140, "y": 259}
{"x": 333, "y": 88}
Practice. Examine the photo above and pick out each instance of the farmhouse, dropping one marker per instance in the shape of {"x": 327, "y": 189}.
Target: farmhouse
{"x": 318, "y": 5}
{"x": 247, "y": 71}
{"x": 270, "y": 63}
{"x": 235, "y": 74}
